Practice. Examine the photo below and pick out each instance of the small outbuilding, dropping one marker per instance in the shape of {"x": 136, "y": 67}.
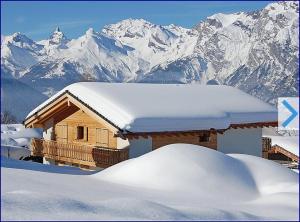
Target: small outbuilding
{"x": 93, "y": 124}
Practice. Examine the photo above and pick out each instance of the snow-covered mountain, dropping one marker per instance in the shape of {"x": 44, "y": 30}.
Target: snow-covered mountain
{"x": 18, "y": 53}
{"x": 155, "y": 44}
{"x": 122, "y": 52}
{"x": 257, "y": 52}
{"x": 57, "y": 40}
{"x": 254, "y": 51}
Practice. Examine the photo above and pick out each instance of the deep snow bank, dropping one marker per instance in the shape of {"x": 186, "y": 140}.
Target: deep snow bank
{"x": 185, "y": 167}
{"x": 176, "y": 182}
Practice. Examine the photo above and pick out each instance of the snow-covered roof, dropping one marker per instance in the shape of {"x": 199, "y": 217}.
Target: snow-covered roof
{"x": 138, "y": 107}
{"x": 286, "y": 141}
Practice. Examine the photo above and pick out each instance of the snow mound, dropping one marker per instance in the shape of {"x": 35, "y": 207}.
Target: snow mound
{"x": 191, "y": 168}
{"x": 177, "y": 182}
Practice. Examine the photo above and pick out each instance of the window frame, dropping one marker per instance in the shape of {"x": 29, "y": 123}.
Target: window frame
{"x": 77, "y": 132}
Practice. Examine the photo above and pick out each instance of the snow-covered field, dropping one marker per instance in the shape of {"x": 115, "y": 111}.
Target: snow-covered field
{"x": 15, "y": 140}
{"x": 176, "y": 182}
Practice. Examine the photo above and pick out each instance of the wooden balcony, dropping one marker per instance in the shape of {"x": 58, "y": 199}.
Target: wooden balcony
{"x": 78, "y": 154}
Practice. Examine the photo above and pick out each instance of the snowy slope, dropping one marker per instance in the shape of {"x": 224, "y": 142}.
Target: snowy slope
{"x": 19, "y": 98}
{"x": 18, "y": 52}
{"x": 155, "y": 44}
{"x": 208, "y": 185}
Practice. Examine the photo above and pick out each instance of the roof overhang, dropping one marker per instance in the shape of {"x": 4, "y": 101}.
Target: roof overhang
{"x": 135, "y": 135}
{"x": 61, "y": 103}
{"x": 67, "y": 99}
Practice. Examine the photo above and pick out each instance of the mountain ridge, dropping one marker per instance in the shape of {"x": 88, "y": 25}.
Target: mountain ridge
{"x": 256, "y": 52}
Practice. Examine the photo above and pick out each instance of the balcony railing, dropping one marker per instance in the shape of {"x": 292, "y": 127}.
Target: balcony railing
{"x": 78, "y": 154}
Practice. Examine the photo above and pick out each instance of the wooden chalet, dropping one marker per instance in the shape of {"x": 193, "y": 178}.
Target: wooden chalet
{"x": 101, "y": 124}
{"x": 279, "y": 153}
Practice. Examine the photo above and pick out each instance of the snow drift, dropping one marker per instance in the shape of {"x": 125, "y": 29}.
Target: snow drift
{"x": 225, "y": 176}
{"x": 175, "y": 182}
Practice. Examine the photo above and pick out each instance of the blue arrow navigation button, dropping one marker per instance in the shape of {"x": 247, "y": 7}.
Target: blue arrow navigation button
{"x": 293, "y": 115}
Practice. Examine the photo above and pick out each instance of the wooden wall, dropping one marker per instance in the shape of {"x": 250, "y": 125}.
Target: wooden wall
{"x": 162, "y": 140}
{"x": 97, "y": 133}
{"x": 66, "y": 131}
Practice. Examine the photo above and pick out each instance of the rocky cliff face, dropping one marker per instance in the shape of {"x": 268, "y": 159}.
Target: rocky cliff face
{"x": 256, "y": 52}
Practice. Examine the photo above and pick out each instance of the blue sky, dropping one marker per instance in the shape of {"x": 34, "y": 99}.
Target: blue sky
{"x": 38, "y": 19}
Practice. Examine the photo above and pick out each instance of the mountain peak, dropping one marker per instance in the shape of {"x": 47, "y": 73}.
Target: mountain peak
{"x": 225, "y": 19}
{"x": 19, "y": 34}
{"x": 57, "y": 37}
{"x": 18, "y": 37}
{"x": 90, "y": 32}
{"x": 57, "y": 29}
{"x": 129, "y": 24}
{"x": 134, "y": 21}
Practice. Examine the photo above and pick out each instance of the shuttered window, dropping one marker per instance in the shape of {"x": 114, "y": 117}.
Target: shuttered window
{"x": 62, "y": 133}
{"x": 102, "y": 137}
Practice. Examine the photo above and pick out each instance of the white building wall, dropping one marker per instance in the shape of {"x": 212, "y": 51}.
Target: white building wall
{"x": 121, "y": 144}
{"x": 245, "y": 141}
{"x": 137, "y": 147}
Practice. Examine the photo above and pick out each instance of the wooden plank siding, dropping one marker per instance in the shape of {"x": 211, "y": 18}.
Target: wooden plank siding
{"x": 92, "y": 128}
{"x": 165, "y": 139}
{"x": 61, "y": 133}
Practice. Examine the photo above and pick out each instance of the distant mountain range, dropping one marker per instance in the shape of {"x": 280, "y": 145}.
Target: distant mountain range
{"x": 257, "y": 52}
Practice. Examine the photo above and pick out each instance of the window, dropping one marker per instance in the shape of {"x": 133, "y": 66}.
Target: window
{"x": 80, "y": 132}
{"x": 205, "y": 137}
